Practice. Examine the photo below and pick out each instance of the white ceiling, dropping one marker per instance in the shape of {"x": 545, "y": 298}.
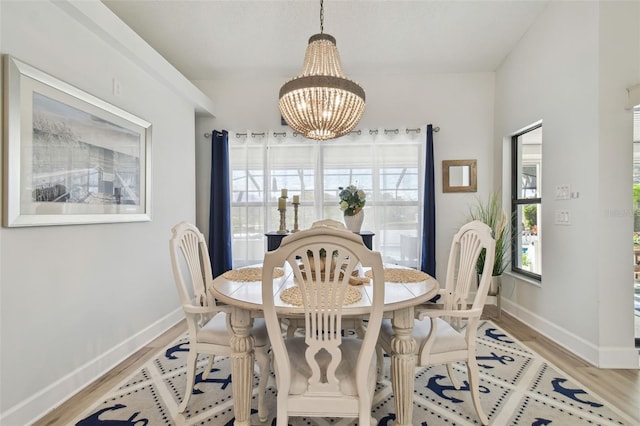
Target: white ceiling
{"x": 209, "y": 39}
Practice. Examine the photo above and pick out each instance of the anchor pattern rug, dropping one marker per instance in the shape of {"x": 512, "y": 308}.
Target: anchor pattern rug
{"x": 518, "y": 387}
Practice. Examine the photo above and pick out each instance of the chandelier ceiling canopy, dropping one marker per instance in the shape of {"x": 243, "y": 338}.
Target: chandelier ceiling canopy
{"x": 321, "y": 103}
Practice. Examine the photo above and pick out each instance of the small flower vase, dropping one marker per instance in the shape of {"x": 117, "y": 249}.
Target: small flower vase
{"x": 354, "y": 222}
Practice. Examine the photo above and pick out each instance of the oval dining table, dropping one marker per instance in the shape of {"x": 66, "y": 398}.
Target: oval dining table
{"x": 245, "y": 300}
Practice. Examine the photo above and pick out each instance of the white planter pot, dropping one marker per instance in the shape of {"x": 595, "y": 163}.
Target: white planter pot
{"x": 495, "y": 290}
{"x": 496, "y": 283}
{"x": 354, "y": 223}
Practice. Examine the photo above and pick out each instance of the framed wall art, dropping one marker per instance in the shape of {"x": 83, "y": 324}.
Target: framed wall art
{"x": 70, "y": 157}
{"x": 459, "y": 176}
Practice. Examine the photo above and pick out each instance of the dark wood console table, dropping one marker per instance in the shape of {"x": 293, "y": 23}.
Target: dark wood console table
{"x": 274, "y": 239}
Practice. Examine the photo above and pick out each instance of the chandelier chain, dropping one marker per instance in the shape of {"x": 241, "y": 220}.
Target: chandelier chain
{"x": 321, "y": 16}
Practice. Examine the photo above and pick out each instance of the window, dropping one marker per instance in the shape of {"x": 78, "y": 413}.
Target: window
{"x": 388, "y": 166}
{"x": 526, "y": 202}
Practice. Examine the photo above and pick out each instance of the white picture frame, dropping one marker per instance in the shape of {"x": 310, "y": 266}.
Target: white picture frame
{"x": 70, "y": 157}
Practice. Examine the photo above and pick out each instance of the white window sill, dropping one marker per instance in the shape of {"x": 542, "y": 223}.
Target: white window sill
{"x": 523, "y": 278}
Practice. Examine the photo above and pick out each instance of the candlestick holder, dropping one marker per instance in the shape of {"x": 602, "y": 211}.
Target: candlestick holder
{"x": 295, "y": 217}
{"x": 283, "y": 220}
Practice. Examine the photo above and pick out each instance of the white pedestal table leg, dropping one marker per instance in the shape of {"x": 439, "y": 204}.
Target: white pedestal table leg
{"x": 403, "y": 365}
{"x": 242, "y": 344}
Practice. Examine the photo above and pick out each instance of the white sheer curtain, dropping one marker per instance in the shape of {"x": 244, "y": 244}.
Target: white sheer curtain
{"x": 388, "y": 164}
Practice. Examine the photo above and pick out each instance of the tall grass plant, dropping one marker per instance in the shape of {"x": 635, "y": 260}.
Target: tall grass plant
{"x": 491, "y": 213}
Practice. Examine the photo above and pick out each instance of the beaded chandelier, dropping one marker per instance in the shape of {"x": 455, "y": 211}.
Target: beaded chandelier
{"x": 321, "y": 103}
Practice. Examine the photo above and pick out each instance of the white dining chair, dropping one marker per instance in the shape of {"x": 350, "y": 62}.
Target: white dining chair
{"x": 324, "y": 374}
{"x": 207, "y": 322}
{"x": 354, "y": 325}
{"x": 447, "y": 333}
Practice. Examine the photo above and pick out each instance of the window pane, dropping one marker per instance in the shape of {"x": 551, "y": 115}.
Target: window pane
{"x": 247, "y": 235}
{"x": 529, "y": 146}
{"x": 344, "y": 163}
{"x": 246, "y": 186}
{"x": 529, "y": 244}
{"x": 398, "y": 204}
{"x": 340, "y": 178}
{"x": 291, "y": 166}
{"x": 399, "y": 184}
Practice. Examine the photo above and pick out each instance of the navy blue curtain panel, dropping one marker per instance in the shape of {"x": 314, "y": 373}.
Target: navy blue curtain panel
{"x": 428, "y": 260}
{"x": 220, "y": 205}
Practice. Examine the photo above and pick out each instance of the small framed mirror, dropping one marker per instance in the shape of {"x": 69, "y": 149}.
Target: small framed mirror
{"x": 459, "y": 176}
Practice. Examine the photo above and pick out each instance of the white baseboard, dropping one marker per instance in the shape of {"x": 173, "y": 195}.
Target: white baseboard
{"x": 601, "y": 357}
{"x": 29, "y": 410}
{"x": 615, "y": 357}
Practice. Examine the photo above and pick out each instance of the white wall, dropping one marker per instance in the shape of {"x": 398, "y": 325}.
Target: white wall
{"x": 76, "y": 300}
{"x": 571, "y": 70}
{"x": 460, "y": 104}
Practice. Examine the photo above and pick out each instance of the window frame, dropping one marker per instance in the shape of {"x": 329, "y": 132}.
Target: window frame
{"x": 516, "y": 202}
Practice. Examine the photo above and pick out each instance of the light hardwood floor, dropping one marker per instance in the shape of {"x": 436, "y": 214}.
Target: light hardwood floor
{"x": 619, "y": 388}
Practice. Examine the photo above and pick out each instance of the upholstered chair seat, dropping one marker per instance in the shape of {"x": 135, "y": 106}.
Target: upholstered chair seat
{"x": 449, "y": 340}
{"x": 301, "y": 372}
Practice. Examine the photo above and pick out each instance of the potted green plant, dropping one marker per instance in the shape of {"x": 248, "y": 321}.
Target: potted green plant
{"x": 325, "y": 265}
{"x": 352, "y": 201}
{"x": 491, "y": 213}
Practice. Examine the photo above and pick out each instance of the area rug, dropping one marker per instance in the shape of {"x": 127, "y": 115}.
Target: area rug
{"x": 518, "y": 387}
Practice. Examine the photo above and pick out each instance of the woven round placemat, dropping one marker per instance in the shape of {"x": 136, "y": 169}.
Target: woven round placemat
{"x": 354, "y": 279}
{"x": 293, "y": 296}
{"x": 398, "y": 275}
{"x": 249, "y": 274}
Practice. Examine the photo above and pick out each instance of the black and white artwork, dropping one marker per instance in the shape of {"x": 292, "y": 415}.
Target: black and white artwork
{"x": 81, "y": 158}
{"x": 73, "y": 158}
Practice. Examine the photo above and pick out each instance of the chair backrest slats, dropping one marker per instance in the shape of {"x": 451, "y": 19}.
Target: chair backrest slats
{"x": 468, "y": 244}
{"x": 189, "y": 242}
{"x": 322, "y": 259}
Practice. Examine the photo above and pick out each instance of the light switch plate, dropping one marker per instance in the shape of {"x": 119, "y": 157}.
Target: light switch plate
{"x": 563, "y": 192}
{"x": 563, "y": 217}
